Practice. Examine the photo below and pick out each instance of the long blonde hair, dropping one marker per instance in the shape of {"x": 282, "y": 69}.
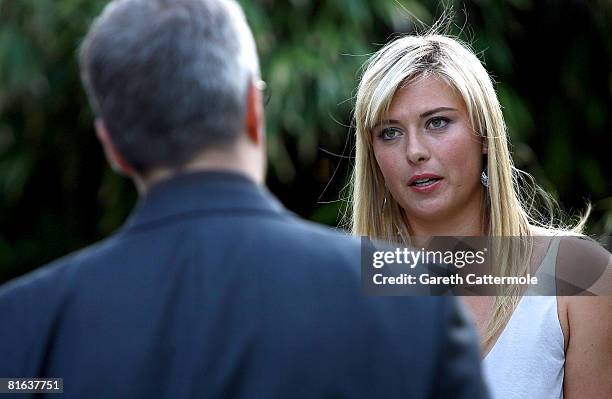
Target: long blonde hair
{"x": 511, "y": 207}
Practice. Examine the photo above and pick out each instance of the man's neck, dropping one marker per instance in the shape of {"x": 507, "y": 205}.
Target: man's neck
{"x": 208, "y": 162}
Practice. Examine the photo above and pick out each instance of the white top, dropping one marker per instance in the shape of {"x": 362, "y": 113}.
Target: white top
{"x": 528, "y": 358}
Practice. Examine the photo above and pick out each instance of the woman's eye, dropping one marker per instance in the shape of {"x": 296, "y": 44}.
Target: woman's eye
{"x": 437, "y": 122}
{"x": 389, "y": 133}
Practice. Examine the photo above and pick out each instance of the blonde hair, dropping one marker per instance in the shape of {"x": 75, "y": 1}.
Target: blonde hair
{"x": 510, "y": 208}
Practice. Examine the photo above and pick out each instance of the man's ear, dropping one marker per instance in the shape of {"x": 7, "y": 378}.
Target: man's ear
{"x": 254, "y": 114}
{"x": 114, "y": 158}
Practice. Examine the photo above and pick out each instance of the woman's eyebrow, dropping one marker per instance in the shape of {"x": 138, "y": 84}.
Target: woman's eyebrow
{"x": 433, "y": 111}
{"x": 385, "y": 122}
{"x": 423, "y": 115}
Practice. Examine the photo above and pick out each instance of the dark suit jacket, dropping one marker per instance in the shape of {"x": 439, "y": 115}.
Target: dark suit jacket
{"x": 213, "y": 290}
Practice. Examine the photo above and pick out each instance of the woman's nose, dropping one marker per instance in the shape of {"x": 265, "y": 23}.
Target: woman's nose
{"x": 416, "y": 151}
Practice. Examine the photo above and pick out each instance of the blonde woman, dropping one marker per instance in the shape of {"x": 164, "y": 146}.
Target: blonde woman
{"x": 432, "y": 159}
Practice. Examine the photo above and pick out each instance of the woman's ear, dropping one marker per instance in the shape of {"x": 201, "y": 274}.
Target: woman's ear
{"x": 485, "y": 146}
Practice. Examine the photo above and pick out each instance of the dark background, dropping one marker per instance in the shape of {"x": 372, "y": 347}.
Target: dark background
{"x": 551, "y": 61}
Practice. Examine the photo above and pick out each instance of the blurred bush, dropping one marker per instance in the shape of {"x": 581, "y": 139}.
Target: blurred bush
{"x": 551, "y": 59}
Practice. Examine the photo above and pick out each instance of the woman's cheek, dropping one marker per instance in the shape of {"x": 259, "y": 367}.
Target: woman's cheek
{"x": 386, "y": 163}
{"x": 461, "y": 155}
{"x": 393, "y": 170}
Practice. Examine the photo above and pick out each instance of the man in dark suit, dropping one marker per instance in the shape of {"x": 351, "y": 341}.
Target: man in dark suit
{"x": 211, "y": 289}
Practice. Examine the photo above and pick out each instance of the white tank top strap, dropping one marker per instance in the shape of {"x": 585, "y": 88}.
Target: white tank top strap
{"x": 528, "y": 359}
{"x": 546, "y": 272}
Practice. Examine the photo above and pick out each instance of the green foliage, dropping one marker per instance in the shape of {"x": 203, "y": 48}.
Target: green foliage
{"x": 551, "y": 61}
{"x": 311, "y": 53}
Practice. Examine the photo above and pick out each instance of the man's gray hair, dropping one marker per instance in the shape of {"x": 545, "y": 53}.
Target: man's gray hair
{"x": 169, "y": 77}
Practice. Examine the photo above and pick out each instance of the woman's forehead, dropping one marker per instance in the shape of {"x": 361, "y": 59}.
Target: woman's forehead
{"x": 421, "y": 95}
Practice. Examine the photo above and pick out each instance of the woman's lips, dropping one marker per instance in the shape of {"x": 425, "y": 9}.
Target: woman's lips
{"x": 427, "y": 187}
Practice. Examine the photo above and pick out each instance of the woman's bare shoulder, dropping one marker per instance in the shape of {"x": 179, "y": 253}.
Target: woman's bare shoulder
{"x": 583, "y": 264}
{"x": 584, "y": 273}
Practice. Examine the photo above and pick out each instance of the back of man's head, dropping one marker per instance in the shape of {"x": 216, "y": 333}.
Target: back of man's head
{"x": 169, "y": 78}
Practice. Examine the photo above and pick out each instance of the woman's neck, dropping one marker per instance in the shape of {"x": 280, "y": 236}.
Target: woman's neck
{"x": 469, "y": 222}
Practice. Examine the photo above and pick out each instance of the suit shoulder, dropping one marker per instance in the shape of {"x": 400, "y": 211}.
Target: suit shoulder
{"x": 318, "y": 242}
{"x": 55, "y": 275}
{"x": 327, "y": 235}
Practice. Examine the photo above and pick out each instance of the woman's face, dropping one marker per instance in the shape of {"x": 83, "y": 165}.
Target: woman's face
{"x": 428, "y": 153}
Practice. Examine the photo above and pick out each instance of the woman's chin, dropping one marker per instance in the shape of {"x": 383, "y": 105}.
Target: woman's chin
{"x": 431, "y": 206}
{"x": 428, "y": 213}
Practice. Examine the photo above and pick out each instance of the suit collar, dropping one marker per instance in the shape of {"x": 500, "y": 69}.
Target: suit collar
{"x": 201, "y": 192}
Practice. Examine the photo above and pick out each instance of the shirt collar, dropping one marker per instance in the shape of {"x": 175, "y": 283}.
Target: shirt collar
{"x": 201, "y": 192}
